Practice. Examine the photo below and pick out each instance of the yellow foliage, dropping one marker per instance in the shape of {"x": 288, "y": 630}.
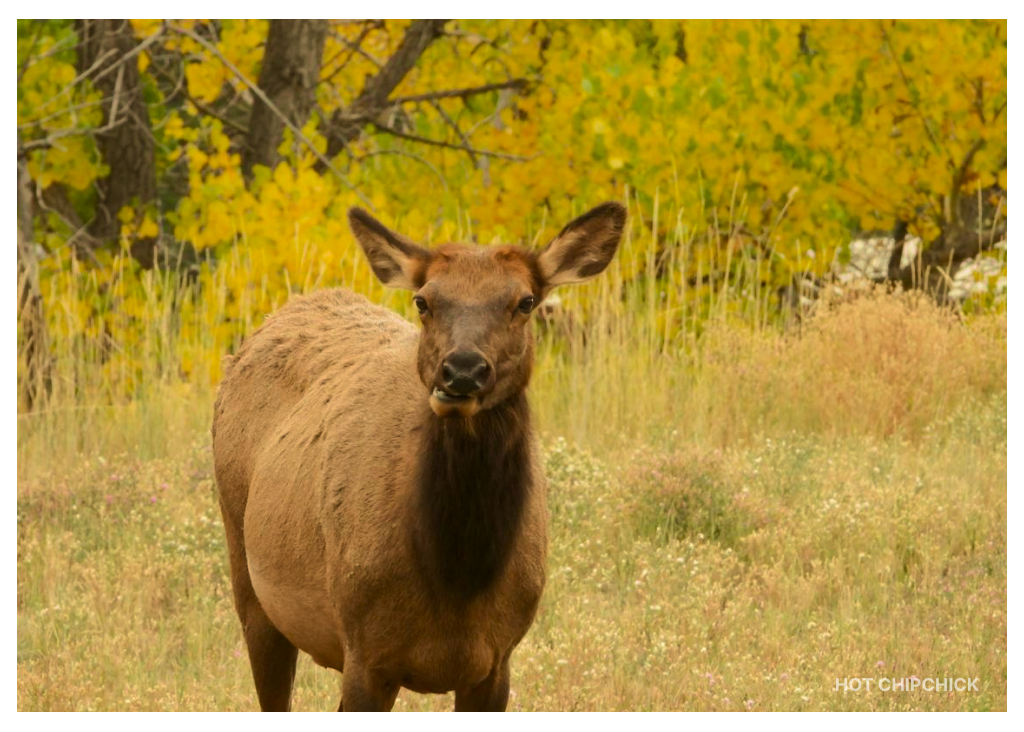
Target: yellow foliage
{"x": 205, "y": 80}
{"x": 782, "y": 136}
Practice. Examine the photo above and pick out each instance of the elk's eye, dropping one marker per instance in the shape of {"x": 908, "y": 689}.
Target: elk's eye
{"x": 421, "y": 305}
{"x": 526, "y": 304}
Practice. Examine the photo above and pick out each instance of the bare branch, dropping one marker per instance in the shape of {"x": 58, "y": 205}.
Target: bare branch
{"x": 503, "y": 103}
{"x": 959, "y": 176}
{"x": 451, "y": 145}
{"x": 999, "y": 111}
{"x": 346, "y": 123}
{"x": 407, "y": 154}
{"x": 354, "y": 47}
{"x": 463, "y": 93}
{"x": 299, "y": 135}
{"x": 80, "y": 78}
{"x": 28, "y": 54}
{"x": 451, "y": 123}
{"x": 906, "y": 83}
{"x": 418, "y": 36}
{"x": 67, "y": 43}
{"x": 53, "y": 115}
{"x": 146, "y": 43}
{"x": 55, "y": 199}
{"x": 181, "y": 87}
{"x": 116, "y": 99}
{"x": 978, "y": 85}
{"x": 149, "y": 41}
{"x": 51, "y": 139}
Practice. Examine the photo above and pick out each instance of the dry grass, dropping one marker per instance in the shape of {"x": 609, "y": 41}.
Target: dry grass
{"x": 770, "y": 510}
{"x": 882, "y": 364}
{"x": 701, "y": 579}
{"x": 888, "y": 364}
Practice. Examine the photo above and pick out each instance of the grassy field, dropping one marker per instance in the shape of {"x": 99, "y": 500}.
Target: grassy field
{"x": 736, "y": 522}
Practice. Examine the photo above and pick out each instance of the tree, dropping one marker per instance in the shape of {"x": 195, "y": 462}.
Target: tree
{"x": 751, "y": 150}
{"x": 107, "y": 58}
{"x": 368, "y": 108}
{"x": 33, "y": 347}
{"x": 289, "y": 75}
{"x": 116, "y": 72}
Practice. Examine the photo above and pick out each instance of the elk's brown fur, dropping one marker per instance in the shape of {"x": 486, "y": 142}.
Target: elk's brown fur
{"x": 385, "y": 512}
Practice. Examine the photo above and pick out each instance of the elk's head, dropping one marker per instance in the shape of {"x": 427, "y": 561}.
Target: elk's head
{"x": 476, "y": 348}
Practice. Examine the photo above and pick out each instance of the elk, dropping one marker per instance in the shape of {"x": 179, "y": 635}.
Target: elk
{"x": 382, "y": 494}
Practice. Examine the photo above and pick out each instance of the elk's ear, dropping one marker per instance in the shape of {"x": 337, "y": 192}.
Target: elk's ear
{"x": 584, "y": 247}
{"x": 396, "y": 260}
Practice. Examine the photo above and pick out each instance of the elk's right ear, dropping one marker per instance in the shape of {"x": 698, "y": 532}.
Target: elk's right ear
{"x": 396, "y": 260}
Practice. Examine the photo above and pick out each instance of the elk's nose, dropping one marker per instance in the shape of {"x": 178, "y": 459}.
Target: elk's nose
{"x": 465, "y": 372}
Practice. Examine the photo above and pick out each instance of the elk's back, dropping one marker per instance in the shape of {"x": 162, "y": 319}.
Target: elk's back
{"x": 326, "y": 338}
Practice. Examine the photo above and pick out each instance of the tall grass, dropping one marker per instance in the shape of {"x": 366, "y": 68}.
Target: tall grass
{"x": 631, "y": 356}
{"x": 775, "y": 504}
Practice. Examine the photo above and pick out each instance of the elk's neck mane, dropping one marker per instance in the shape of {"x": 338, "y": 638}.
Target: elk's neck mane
{"x": 472, "y": 481}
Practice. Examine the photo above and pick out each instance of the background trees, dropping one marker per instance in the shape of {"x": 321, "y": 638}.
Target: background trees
{"x": 751, "y": 151}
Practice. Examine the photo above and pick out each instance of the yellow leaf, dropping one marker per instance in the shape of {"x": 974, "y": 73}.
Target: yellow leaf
{"x": 148, "y": 227}
{"x": 205, "y": 80}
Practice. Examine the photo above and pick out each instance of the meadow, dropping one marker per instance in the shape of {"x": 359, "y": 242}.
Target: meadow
{"x": 741, "y": 513}
{"x": 759, "y": 483}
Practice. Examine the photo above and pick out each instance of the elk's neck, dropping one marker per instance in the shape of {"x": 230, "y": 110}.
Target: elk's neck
{"x": 473, "y": 480}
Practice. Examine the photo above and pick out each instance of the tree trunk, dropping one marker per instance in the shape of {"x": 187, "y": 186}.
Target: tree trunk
{"x": 972, "y": 228}
{"x": 33, "y": 346}
{"x": 127, "y": 142}
{"x": 289, "y": 75}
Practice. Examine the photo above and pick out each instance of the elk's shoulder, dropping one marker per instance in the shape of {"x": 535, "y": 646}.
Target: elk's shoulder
{"x": 312, "y": 334}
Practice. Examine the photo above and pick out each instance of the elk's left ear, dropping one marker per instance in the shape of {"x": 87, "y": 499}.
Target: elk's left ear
{"x": 584, "y": 247}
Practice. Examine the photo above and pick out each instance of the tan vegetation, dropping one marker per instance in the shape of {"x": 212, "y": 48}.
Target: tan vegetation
{"x": 736, "y": 522}
{"x": 759, "y": 483}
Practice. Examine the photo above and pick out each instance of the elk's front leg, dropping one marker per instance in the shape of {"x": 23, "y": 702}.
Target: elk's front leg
{"x": 362, "y": 690}
{"x": 489, "y": 696}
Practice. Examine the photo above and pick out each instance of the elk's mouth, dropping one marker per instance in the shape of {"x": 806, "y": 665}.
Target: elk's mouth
{"x": 450, "y": 405}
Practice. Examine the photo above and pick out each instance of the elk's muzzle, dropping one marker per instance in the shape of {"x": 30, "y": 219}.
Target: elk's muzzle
{"x": 465, "y": 376}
